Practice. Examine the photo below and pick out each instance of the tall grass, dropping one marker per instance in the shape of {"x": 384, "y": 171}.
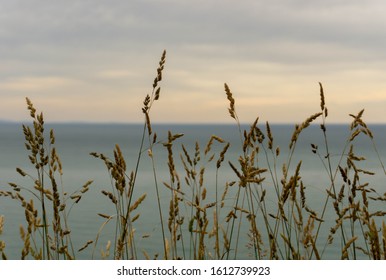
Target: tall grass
{"x": 2, "y": 243}
{"x": 123, "y": 184}
{"x": 265, "y": 206}
{"x": 45, "y": 202}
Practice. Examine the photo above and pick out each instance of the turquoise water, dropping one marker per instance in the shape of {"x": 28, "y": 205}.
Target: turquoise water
{"x": 74, "y": 142}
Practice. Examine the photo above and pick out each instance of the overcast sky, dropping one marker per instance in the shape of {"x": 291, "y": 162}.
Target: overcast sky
{"x": 95, "y": 61}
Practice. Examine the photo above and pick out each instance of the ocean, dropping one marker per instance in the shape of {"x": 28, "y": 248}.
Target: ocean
{"x": 75, "y": 142}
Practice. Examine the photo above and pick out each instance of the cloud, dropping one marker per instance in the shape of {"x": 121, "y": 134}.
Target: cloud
{"x": 270, "y": 52}
{"x": 116, "y": 74}
{"x": 34, "y": 84}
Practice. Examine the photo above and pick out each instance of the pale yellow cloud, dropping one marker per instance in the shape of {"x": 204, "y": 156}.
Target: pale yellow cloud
{"x": 116, "y": 74}
{"x": 28, "y": 84}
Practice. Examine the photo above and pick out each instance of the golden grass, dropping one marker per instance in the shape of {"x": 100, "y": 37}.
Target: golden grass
{"x": 264, "y": 207}
{"x": 2, "y": 243}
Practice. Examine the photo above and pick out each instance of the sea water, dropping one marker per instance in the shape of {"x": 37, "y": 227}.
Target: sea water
{"x": 75, "y": 142}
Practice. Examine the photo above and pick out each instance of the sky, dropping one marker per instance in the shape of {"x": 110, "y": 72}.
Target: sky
{"x": 95, "y": 61}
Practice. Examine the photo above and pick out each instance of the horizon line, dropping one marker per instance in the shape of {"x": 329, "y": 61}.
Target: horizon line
{"x": 82, "y": 122}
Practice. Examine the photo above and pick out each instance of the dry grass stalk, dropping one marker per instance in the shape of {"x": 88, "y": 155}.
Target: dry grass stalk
{"x": 222, "y": 155}
{"x": 137, "y": 202}
{"x": 105, "y": 253}
{"x": 210, "y": 143}
{"x": 322, "y": 102}
{"x": 347, "y": 246}
{"x": 2, "y": 243}
{"x": 85, "y": 245}
{"x": 294, "y": 253}
{"x": 231, "y": 109}
{"x": 308, "y": 237}
{"x": 301, "y": 127}
{"x": 1, "y": 224}
{"x": 384, "y": 239}
{"x": 375, "y": 247}
{"x": 270, "y": 137}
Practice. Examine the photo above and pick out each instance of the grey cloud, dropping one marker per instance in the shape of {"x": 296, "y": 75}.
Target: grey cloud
{"x": 81, "y": 25}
